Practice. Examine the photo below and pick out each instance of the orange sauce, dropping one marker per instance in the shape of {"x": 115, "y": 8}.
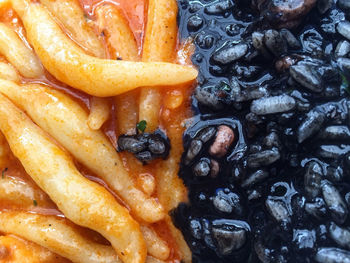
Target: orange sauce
{"x": 171, "y": 119}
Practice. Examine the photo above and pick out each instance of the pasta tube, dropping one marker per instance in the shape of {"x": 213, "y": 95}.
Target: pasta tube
{"x": 14, "y": 250}
{"x": 114, "y": 26}
{"x": 18, "y": 54}
{"x": 18, "y": 193}
{"x": 160, "y": 43}
{"x": 156, "y": 247}
{"x": 65, "y": 120}
{"x": 70, "y": 14}
{"x": 72, "y": 17}
{"x": 122, "y": 43}
{"x": 99, "y": 113}
{"x": 82, "y": 201}
{"x": 56, "y": 235}
{"x": 98, "y": 77}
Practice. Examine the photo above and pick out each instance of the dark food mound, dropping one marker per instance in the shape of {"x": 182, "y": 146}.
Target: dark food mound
{"x": 267, "y": 158}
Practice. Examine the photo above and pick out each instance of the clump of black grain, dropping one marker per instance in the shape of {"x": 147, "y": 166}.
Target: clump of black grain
{"x": 145, "y": 146}
{"x": 274, "y": 76}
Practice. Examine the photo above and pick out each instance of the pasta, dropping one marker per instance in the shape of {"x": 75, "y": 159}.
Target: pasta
{"x": 66, "y": 121}
{"x": 8, "y": 72}
{"x": 74, "y": 77}
{"x": 53, "y": 170}
{"x": 14, "y": 250}
{"x": 56, "y": 235}
{"x": 160, "y": 42}
{"x": 155, "y": 245}
{"x": 99, "y": 113}
{"x": 95, "y": 76}
{"x": 69, "y": 13}
{"x": 15, "y": 51}
{"x": 16, "y": 192}
{"x": 113, "y": 25}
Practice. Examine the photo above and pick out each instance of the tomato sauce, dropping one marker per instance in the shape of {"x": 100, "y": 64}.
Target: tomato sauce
{"x": 172, "y": 116}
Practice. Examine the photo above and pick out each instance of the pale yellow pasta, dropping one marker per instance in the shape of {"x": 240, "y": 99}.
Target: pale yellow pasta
{"x": 98, "y": 77}
{"x": 66, "y": 121}
{"x": 127, "y": 112}
{"x": 184, "y": 250}
{"x": 56, "y": 235}
{"x": 70, "y": 14}
{"x": 18, "y": 54}
{"x": 82, "y": 201}
{"x": 99, "y": 113}
{"x": 122, "y": 43}
{"x": 114, "y": 26}
{"x": 160, "y": 43}
{"x": 156, "y": 247}
{"x": 16, "y": 192}
{"x": 8, "y": 72}
{"x": 17, "y": 250}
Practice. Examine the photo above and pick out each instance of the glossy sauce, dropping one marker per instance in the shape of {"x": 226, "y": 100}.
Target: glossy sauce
{"x": 171, "y": 118}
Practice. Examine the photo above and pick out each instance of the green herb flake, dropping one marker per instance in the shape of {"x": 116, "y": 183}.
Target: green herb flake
{"x": 141, "y": 126}
{"x": 3, "y": 173}
{"x": 345, "y": 85}
{"x": 35, "y": 203}
{"x": 225, "y": 87}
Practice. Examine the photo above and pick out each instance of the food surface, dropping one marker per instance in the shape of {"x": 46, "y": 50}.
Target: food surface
{"x": 83, "y": 84}
{"x": 267, "y": 154}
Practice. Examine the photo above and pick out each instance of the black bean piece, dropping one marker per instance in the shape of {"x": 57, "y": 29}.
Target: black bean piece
{"x": 263, "y": 158}
{"x": 254, "y": 178}
{"x": 340, "y": 235}
{"x": 206, "y": 134}
{"x": 270, "y": 105}
{"x": 342, "y": 49}
{"x": 312, "y": 124}
{"x": 274, "y": 42}
{"x": 230, "y": 53}
{"x": 219, "y": 7}
{"x": 335, "y": 202}
{"x": 193, "y": 150}
{"x": 332, "y": 255}
{"x": 312, "y": 179}
{"x": 317, "y": 208}
{"x": 131, "y": 144}
{"x": 145, "y": 156}
{"x": 306, "y": 76}
{"x": 343, "y": 28}
{"x": 156, "y": 146}
{"x": 202, "y": 168}
{"x": 304, "y": 239}
{"x": 291, "y": 40}
{"x": 194, "y": 23}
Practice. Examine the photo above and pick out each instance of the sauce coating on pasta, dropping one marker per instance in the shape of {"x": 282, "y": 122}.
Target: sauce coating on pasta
{"x": 174, "y": 112}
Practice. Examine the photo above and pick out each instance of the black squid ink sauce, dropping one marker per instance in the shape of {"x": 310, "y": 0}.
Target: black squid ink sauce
{"x": 276, "y": 73}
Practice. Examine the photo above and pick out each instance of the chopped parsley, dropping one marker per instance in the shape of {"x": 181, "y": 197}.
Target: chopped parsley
{"x": 142, "y": 125}
{"x": 35, "y": 203}
{"x": 345, "y": 85}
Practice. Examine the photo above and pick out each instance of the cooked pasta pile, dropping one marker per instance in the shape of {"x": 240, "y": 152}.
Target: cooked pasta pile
{"x": 70, "y": 84}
